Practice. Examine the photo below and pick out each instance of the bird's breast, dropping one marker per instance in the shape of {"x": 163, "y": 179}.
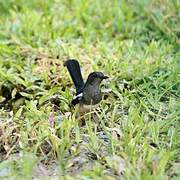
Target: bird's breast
{"x": 92, "y": 96}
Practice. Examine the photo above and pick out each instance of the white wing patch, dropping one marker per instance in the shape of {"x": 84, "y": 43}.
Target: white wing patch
{"x": 78, "y": 96}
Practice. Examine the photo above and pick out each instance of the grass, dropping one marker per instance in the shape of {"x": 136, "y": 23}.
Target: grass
{"x": 135, "y": 132}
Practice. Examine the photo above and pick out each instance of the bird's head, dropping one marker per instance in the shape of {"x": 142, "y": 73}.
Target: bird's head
{"x": 96, "y": 78}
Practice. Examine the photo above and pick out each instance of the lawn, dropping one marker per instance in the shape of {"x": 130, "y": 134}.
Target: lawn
{"x": 135, "y": 131}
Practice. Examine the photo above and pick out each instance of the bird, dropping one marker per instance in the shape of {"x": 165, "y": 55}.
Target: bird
{"x": 87, "y": 93}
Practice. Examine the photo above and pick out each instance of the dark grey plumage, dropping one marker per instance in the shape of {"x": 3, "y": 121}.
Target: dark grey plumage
{"x": 75, "y": 72}
{"x": 88, "y": 93}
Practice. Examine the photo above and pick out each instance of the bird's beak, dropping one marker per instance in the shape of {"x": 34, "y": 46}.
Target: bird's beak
{"x": 105, "y": 77}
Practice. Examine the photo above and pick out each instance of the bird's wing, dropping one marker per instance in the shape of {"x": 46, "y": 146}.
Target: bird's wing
{"x": 75, "y": 72}
{"x": 76, "y": 99}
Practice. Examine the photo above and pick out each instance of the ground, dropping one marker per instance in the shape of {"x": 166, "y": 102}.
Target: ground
{"x": 135, "y": 131}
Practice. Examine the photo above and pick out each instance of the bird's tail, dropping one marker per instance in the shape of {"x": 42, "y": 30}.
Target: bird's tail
{"x": 75, "y": 72}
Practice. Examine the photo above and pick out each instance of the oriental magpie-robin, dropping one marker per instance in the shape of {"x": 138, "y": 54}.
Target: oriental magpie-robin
{"x": 87, "y": 93}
